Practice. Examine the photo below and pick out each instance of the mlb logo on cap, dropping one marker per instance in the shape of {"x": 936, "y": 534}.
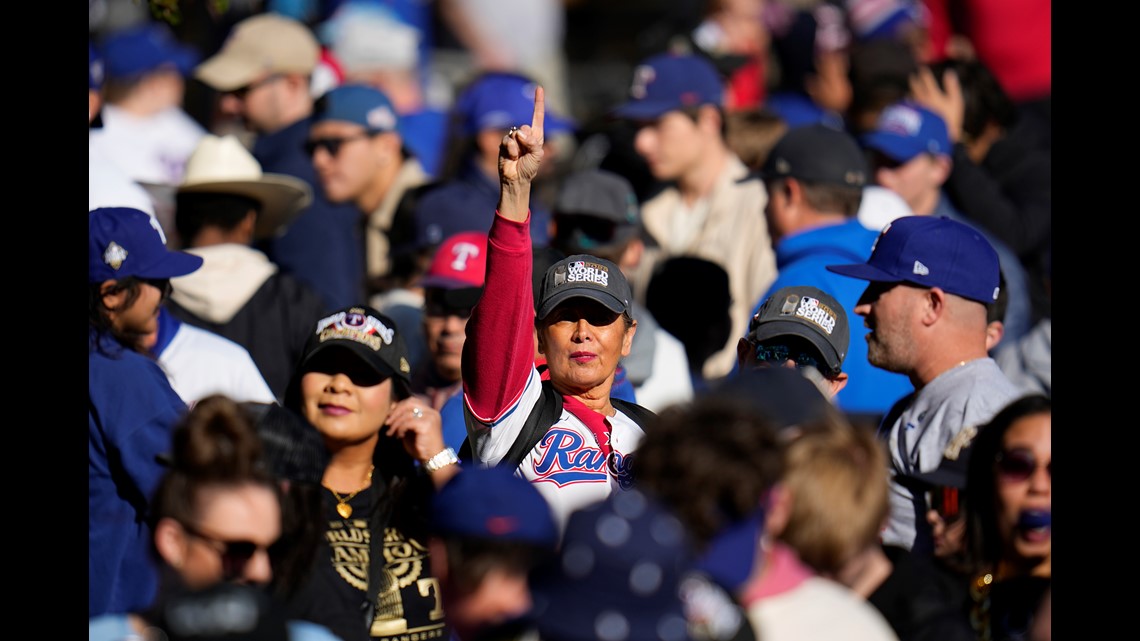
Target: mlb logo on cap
{"x": 932, "y": 252}
{"x": 667, "y": 82}
{"x": 905, "y": 130}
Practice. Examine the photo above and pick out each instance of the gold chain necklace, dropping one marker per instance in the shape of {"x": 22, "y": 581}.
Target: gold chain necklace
{"x": 342, "y": 506}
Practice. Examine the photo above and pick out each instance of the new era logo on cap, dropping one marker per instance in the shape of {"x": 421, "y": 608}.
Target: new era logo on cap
{"x": 931, "y": 252}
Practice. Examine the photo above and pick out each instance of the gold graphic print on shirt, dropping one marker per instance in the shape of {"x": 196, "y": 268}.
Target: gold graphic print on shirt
{"x": 349, "y": 542}
{"x": 408, "y": 606}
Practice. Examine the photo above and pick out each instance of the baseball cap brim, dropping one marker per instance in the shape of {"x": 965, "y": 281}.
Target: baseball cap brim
{"x": 226, "y": 71}
{"x": 894, "y": 147}
{"x": 611, "y": 302}
{"x": 644, "y": 109}
{"x": 775, "y": 328}
{"x": 863, "y": 271}
{"x": 363, "y": 352}
{"x": 170, "y": 265}
{"x": 454, "y": 293}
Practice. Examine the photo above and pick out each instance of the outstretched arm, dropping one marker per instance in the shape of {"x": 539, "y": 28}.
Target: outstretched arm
{"x": 520, "y": 154}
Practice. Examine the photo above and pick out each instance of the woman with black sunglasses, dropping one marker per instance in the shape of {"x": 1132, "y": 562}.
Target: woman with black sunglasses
{"x": 216, "y": 518}
{"x": 1009, "y": 519}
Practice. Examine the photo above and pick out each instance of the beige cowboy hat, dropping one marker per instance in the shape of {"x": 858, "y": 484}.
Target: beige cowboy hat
{"x": 222, "y": 165}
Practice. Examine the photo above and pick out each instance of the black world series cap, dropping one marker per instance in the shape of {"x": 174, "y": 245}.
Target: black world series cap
{"x": 585, "y": 276}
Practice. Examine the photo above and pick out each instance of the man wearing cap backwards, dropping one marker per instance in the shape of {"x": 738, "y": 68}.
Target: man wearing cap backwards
{"x": 225, "y": 204}
{"x": 132, "y": 409}
{"x": 815, "y": 178}
{"x": 584, "y": 329}
{"x": 931, "y": 280}
{"x": 708, "y": 210}
{"x": 262, "y": 74}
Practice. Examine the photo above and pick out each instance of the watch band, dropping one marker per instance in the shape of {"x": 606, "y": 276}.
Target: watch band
{"x": 441, "y": 460}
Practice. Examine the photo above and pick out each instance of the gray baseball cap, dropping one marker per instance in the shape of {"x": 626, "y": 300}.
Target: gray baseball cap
{"x": 595, "y": 209}
{"x": 585, "y": 276}
{"x": 809, "y": 313}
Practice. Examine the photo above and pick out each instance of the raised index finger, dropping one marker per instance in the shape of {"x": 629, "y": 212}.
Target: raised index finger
{"x": 539, "y": 110}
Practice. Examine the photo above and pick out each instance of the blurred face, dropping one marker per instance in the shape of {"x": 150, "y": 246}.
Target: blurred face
{"x": 141, "y": 316}
{"x": 230, "y": 541}
{"x": 345, "y": 398}
{"x": 583, "y": 343}
{"x": 258, "y": 105}
{"x": 891, "y": 311}
{"x": 500, "y": 596}
{"x": 917, "y": 180}
{"x": 347, "y": 174}
{"x": 670, "y": 145}
{"x": 445, "y": 330}
{"x": 1024, "y": 488}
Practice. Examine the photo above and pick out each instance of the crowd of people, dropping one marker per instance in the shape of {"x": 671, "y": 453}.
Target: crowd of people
{"x": 380, "y": 353}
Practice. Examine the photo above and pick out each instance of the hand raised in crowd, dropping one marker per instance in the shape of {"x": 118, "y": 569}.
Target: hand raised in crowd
{"x": 946, "y": 101}
{"x": 520, "y": 155}
{"x": 418, "y": 426}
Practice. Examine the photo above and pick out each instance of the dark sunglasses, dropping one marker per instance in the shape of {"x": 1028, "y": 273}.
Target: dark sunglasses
{"x": 241, "y": 92}
{"x": 332, "y": 145}
{"x": 1019, "y": 464}
{"x": 234, "y": 554}
{"x": 945, "y": 501}
{"x": 161, "y": 284}
{"x": 439, "y": 309}
{"x": 779, "y": 353}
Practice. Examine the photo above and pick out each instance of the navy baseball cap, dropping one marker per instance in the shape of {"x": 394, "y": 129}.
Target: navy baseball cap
{"x": 144, "y": 48}
{"x": 125, "y": 242}
{"x": 500, "y": 100}
{"x": 905, "y": 130}
{"x": 931, "y": 252}
{"x": 820, "y": 154}
{"x": 667, "y": 82}
{"x": 492, "y": 503}
{"x": 360, "y": 104}
{"x": 584, "y": 276}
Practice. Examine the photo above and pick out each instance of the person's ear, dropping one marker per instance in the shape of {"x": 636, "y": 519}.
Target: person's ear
{"x": 995, "y": 331}
{"x": 709, "y": 119}
{"x": 778, "y": 510}
{"x": 627, "y": 340}
{"x": 934, "y": 305}
{"x": 941, "y": 167}
{"x": 113, "y": 297}
{"x": 170, "y": 541}
{"x": 837, "y": 383}
{"x": 631, "y": 255}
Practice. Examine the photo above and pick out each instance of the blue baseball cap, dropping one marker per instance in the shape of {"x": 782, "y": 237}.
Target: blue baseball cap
{"x": 94, "y": 67}
{"x": 931, "y": 252}
{"x": 667, "y": 82}
{"x": 500, "y": 100}
{"x": 492, "y": 503}
{"x": 144, "y": 48}
{"x": 126, "y": 242}
{"x": 361, "y": 104}
{"x": 905, "y": 130}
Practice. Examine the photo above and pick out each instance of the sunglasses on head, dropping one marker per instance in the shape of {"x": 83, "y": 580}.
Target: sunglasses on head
{"x": 1019, "y": 464}
{"x": 234, "y": 554}
{"x": 332, "y": 145}
{"x": 945, "y": 501}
